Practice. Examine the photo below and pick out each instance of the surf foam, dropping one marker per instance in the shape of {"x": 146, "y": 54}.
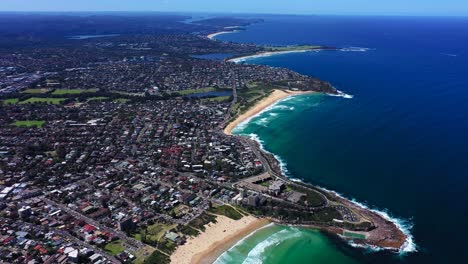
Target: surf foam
{"x": 224, "y": 258}
{"x": 342, "y": 94}
{"x": 404, "y": 225}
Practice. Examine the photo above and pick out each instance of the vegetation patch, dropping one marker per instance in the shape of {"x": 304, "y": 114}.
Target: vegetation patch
{"x": 98, "y": 98}
{"x": 73, "y": 91}
{"x": 153, "y": 233}
{"x": 157, "y": 257}
{"x": 114, "y": 248}
{"x": 36, "y": 91}
{"x": 227, "y": 211}
{"x": 29, "y": 123}
{"x": 217, "y": 99}
{"x": 312, "y": 198}
{"x": 10, "y": 101}
{"x": 200, "y": 222}
{"x": 33, "y": 100}
{"x": 167, "y": 246}
{"x": 195, "y": 91}
{"x": 188, "y": 230}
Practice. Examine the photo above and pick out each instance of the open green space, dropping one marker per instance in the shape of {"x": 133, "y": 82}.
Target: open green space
{"x": 114, "y": 248}
{"x": 43, "y": 100}
{"x": 153, "y": 233}
{"x": 195, "y": 91}
{"x": 226, "y": 210}
{"x": 166, "y": 246}
{"x": 155, "y": 258}
{"x": 312, "y": 198}
{"x": 188, "y": 230}
{"x": 10, "y": 101}
{"x": 217, "y": 99}
{"x": 73, "y": 91}
{"x": 29, "y": 123}
{"x": 36, "y": 91}
{"x": 97, "y": 98}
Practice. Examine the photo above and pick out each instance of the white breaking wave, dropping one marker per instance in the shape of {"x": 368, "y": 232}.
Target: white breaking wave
{"x": 404, "y": 225}
{"x": 255, "y": 255}
{"x": 342, "y": 94}
{"x": 355, "y": 49}
{"x": 224, "y": 258}
{"x": 241, "y": 126}
{"x": 262, "y": 121}
{"x": 282, "y": 163}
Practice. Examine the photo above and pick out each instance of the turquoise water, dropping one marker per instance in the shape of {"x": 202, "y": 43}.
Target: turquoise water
{"x": 399, "y": 144}
{"x": 275, "y": 244}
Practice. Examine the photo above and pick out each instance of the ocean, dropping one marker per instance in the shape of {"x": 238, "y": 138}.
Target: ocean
{"x": 399, "y": 145}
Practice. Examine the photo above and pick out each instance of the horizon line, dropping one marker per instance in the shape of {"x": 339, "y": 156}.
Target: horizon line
{"x": 237, "y": 13}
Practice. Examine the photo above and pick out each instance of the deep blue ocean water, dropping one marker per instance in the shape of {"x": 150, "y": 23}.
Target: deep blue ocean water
{"x": 401, "y": 144}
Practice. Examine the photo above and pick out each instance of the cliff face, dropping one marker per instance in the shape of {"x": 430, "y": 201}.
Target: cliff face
{"x": 321, "y": 86}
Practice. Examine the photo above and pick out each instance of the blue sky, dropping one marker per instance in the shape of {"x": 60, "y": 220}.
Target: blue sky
{"x": 344, "y": 7}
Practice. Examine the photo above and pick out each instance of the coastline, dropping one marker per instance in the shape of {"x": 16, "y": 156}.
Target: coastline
{"x": 263, "y": 104}
{"x": 269, "y": 54}
{"x": 216, "y": 239}
{"x": 213, "y": 35}
{"x": 389, "y": 234}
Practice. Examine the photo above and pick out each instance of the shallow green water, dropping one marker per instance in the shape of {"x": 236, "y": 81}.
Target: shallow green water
{"x": 277, "y": 244}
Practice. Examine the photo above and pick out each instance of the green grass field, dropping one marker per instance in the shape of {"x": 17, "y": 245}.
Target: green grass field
{"x": 29, "y": 123}
{"x": 154, "y": 232}
{"x": 43, "y": 100}
{"x": 195, "y": 91}
{"x": 122, "y": 100}
{"x": 73, "y": 91}
{"x": 217, "y": 99}
{"x": 36, "y": 91}
{"x": 10, "y": 101}
{"x": 97, "y": 98}
{"x": 228, "y": 211}
{"x": 114, "y": 248}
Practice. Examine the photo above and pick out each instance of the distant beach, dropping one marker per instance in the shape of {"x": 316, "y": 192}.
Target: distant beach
{"x": 274, "y": 97}
{"x": 218, "y": 237}
{"x": 213, "y": 35}
{"x": 268, "y": 54}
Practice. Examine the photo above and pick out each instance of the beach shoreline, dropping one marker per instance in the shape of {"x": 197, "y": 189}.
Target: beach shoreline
{"x": 269, "y": 54}
{"x": 216, "y": 239}
{"x": 213, "y": 35}
{"x": 260, "y": 106}
{"x": 401, "y": 239}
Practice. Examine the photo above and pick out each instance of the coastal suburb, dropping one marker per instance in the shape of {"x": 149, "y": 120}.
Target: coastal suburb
{"x": 120, "y": 146}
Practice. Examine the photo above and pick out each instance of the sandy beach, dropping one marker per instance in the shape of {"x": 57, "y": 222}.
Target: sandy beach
{"x": 260, "y": 106}
{"x": 212, "y": 36}
{"x": 268, "y": 54}
{"x": 218, "y": 237}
